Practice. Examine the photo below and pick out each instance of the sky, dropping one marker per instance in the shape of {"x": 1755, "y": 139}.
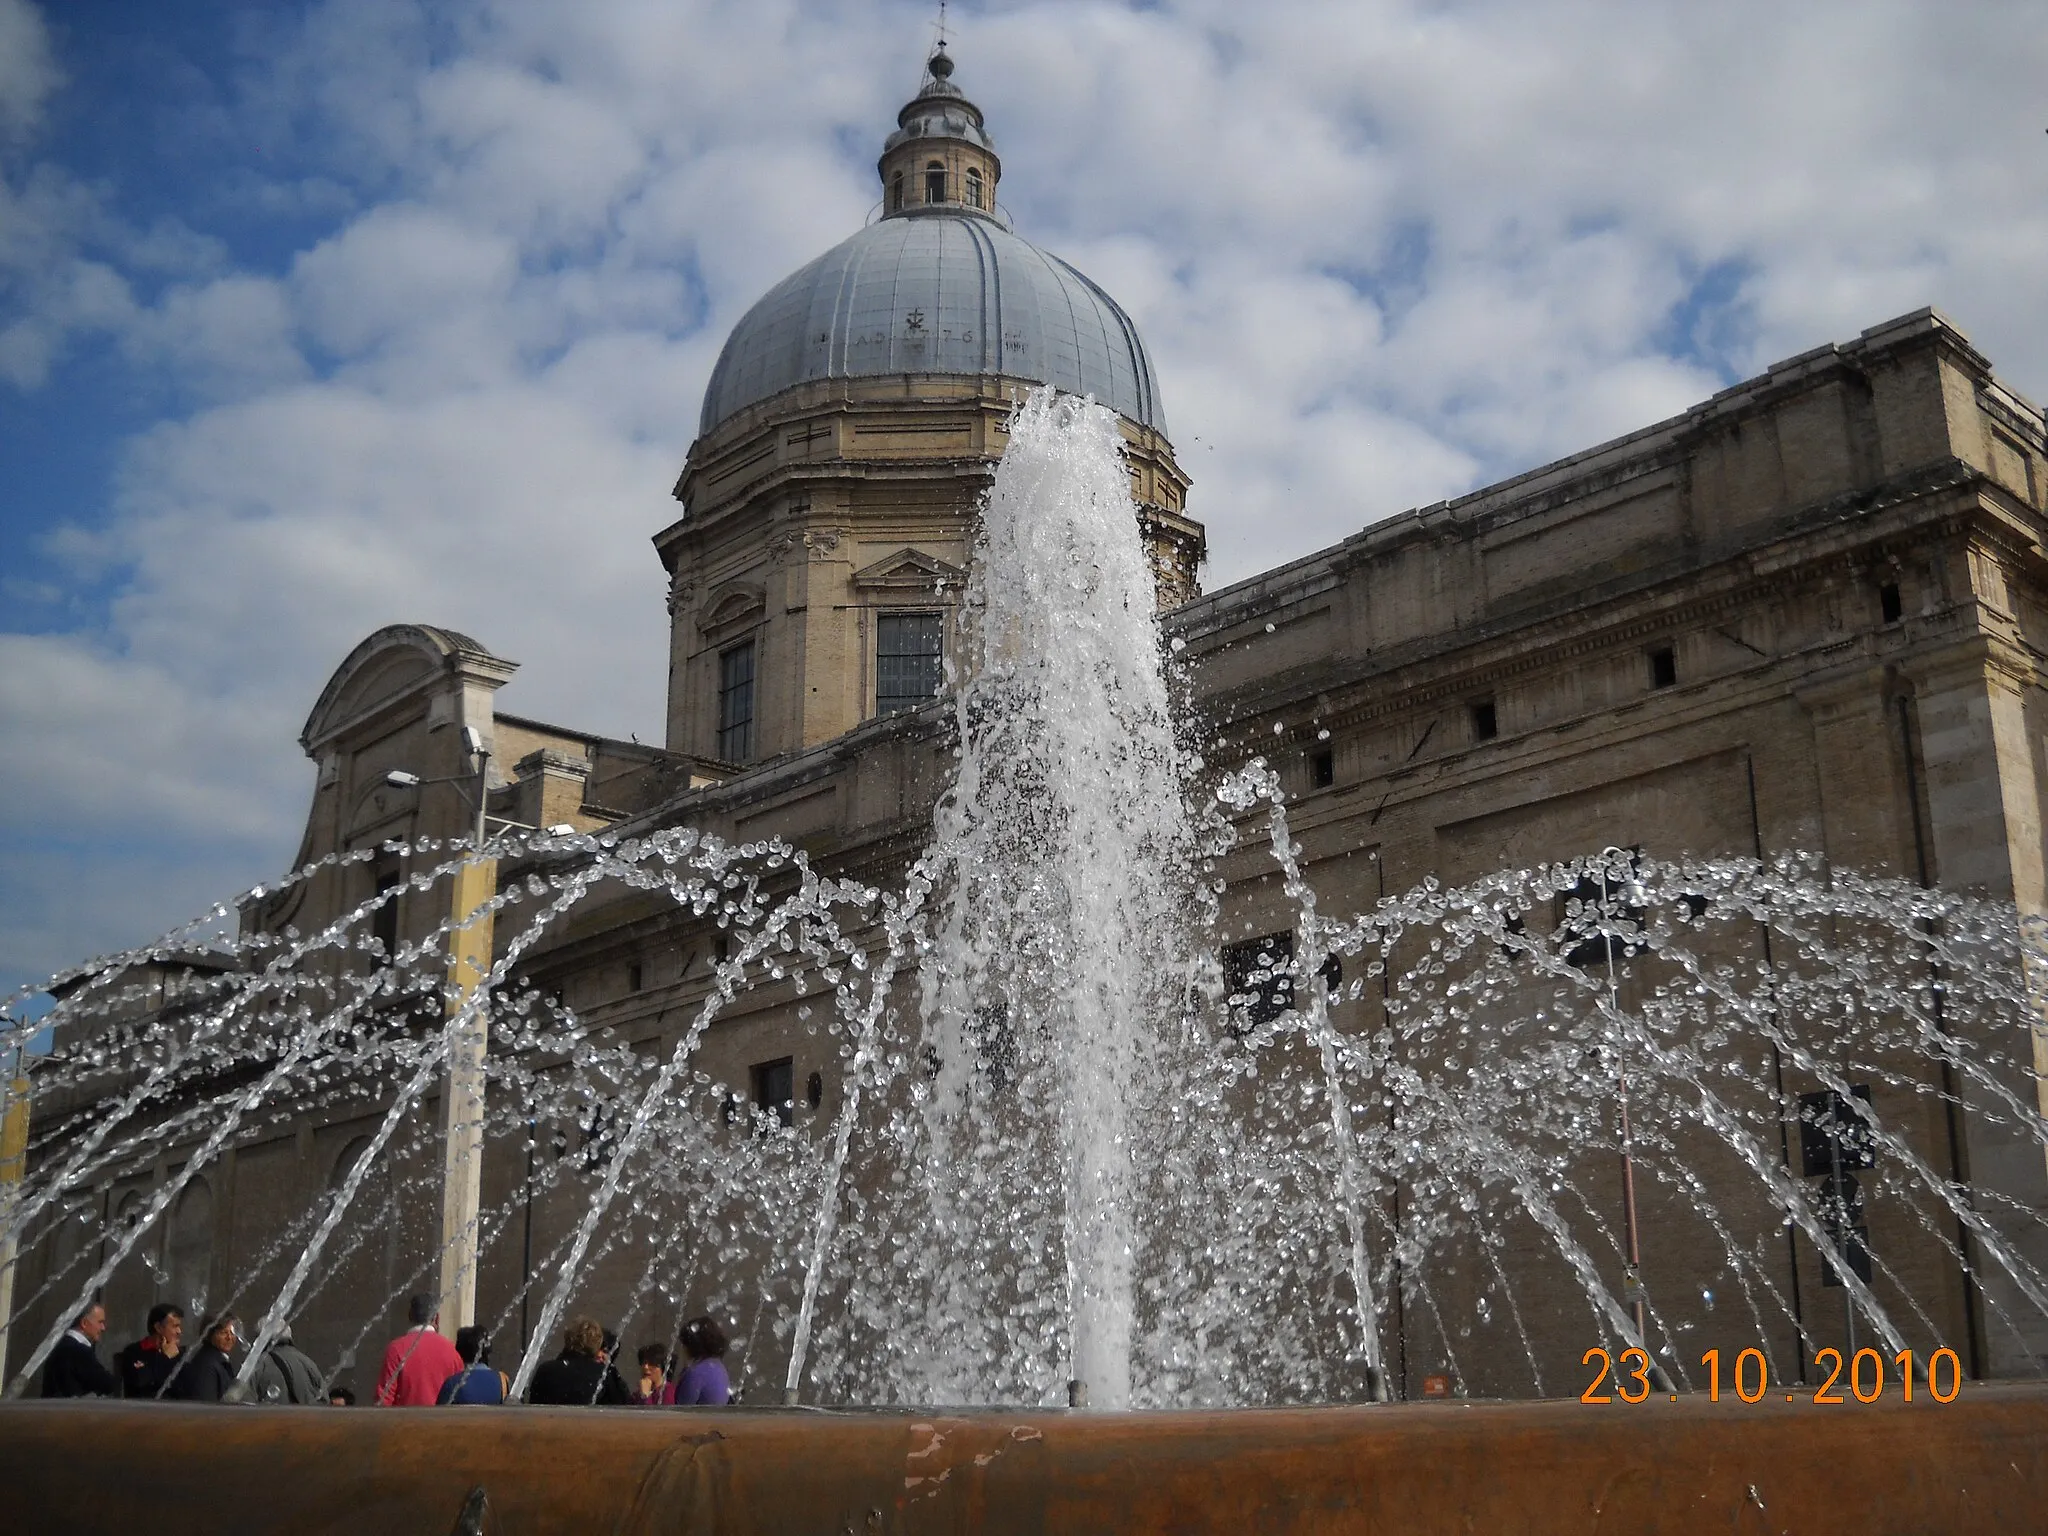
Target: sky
{"x": 318, "y": 317}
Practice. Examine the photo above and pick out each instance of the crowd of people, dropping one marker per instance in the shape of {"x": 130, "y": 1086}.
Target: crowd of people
{"x": 422, "y": 1368}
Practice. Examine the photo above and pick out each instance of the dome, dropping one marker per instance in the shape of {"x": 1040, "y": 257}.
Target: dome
{"x": 939, "y": 289}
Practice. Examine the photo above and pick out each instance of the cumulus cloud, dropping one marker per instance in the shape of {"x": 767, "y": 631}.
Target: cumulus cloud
{"x": 28, "y": 73}
{"x": 1384, "y": 251}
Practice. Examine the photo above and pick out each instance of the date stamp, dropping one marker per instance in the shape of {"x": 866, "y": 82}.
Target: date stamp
{"x": 1627, "y": 1378}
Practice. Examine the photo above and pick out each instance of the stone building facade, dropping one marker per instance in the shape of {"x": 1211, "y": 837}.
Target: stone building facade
{"x": 1808, "y": 614}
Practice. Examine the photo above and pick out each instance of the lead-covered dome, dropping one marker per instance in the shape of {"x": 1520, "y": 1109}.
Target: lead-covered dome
{"x": 937, "y": 290}
{"x": 938, "y": 285}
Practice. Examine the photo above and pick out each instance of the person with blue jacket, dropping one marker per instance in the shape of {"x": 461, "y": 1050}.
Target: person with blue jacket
{"x": 477, "y": 1382}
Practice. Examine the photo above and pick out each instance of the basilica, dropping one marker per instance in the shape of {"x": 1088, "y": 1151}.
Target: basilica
{"x": 1807, "y": 614}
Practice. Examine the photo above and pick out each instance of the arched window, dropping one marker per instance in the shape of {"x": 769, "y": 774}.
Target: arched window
{"x": 935, "y": 182}
{"x": 345, "y": 1164}
{"x": 132, "y": 1286}
{"x": 896, "y": 193}
{"x": 188, "y": 1247}
{"x": 973, "y": 188}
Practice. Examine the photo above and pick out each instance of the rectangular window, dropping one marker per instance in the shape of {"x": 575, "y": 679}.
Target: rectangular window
{"x": 1485, "y": 723}
{"x": 1888, "y": 602}
{"x": 384, "y": 921}
{"x": 600, "y": 1137}
{"x": 1835, "y": 1144}
{"x": 995, "y": 1044}
{"x": 1606, "y": 924}
{"x": 736, "y": 703}
{"x": 775, "y": 1089}
{"x": 1663, "y": 667}
{"x": 910, "y": 658}
{"x": 1322, "y": 769}
{"x": 1258, "y": 978}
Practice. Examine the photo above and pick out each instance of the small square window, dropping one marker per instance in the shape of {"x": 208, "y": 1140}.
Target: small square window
{"x": 1485, "y": 723}
{"x": 1888, "y": 602}
{"x": 1663, "y": 667}
{"x": 1322, "y": 768}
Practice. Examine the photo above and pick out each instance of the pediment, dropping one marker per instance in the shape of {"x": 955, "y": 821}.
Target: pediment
{"x": 732, "y": 605}
{"x": 385, "y": 678}
{"x": 911, "y": 570}
{"x": 397, "y": 663}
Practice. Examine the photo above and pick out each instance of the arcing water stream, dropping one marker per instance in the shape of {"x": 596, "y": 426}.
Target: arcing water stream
{"x": 1076, "y": 1134}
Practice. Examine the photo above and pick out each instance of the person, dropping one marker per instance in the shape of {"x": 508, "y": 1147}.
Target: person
{"x": 144, "y": 1366}
{"x": 654, "y": 1363}
{"x": 286, "y": 1374}
{"x": 341, "y": 1397}
{"x": 417, "y": 1361}
{"x": 579, "y": 1376}
{"x": 476, "y": 1382}
{"x": 74, "y": 1368}
{"x": 704, "y": 1383}
{"x": 206, "y": 1377}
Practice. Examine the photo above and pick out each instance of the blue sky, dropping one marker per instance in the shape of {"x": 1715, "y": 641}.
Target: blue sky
{"x": 315, "y": 317}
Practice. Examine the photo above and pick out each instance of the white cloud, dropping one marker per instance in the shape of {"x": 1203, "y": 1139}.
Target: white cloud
{"x": 1383, "y": 251}
{"x": 28, "y": 74}
{"x": 50, "y": 290}
{"x": 231, "y": 336}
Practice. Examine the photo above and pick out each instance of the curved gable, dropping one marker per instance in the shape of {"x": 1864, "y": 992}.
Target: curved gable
{"x": 395, "y": 663}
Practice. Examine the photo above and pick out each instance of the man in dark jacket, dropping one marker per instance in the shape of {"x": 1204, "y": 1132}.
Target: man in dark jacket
{"x": 144, "y": 1366}
{"x": 286, "y": 1374}
{"x": 580, "y": 1375}
{"x": 211, "y": 1372}
{"x": 74, "y": 1369}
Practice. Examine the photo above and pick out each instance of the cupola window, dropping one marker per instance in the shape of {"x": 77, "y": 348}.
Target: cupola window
{"x": 935, "y": 182}
{"x": 736, "y": 703}
{"x": 973, "y": 189}
{"x": 909, "y": 660}
{"x": 896, "y": 193}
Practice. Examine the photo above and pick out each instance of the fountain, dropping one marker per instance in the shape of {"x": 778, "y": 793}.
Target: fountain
{"x": 1088, "y": 1149}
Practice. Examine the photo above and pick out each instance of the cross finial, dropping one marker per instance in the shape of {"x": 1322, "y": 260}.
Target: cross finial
{"x": 940, "y": 65}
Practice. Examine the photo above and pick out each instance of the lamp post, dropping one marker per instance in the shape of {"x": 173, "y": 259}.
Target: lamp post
{"x": 473, "y": 884}
{"x": 1632, "y": 1286}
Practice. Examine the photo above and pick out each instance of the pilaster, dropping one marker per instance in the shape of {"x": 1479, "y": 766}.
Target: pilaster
{"x": 1984, "y": 824}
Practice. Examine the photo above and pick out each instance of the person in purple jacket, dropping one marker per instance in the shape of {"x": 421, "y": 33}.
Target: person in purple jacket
{"x": 704, "y": 1382}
